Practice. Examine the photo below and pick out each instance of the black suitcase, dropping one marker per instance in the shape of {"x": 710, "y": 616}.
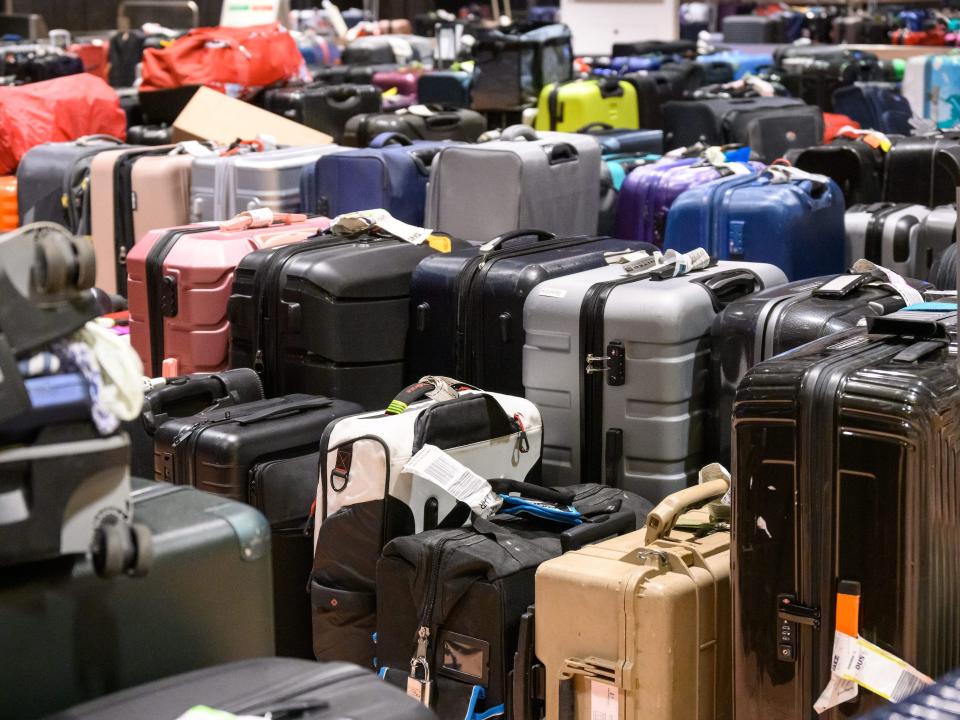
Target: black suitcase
{"x": 450, "y": 88}
{"x": 655, "y": 47}
{"x": 206, "y": 599}
{"x": 463, "y": 592}
{"x": 326, "y": 316}
{"x": 324, "y": 107}
{"x": 161, "y": 134}
{"x": 855, "y": 166}
{"x": 943, "y": 274}
{"x": 28, "y": 64}
{"x": 435, "y": 123}
{"x": 673, "y": 81}
{"x": 752, "y": 30}
{"x": 918, "y": 172}
{"x": 266, "y": 454}
{"x": 272, "y": 687}
{"x": 845, "y": 464}
{"x": 124, "y": 54}
{"x": 348, "y": 74}
{"x": 814, "y": 74}
{"x": 368, "y": 51}
{"x": 467, "y": 306}
{"x": 860, "y": 29}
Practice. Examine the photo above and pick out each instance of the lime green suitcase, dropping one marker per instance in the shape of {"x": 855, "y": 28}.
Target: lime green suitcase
{"x": 570, "y": 106}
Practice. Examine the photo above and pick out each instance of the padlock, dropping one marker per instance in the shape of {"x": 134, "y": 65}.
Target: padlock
{"x": 420, "y": 689}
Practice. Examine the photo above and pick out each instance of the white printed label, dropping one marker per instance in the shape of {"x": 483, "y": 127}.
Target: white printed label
{"x": 604, "y": 701}
{"x": 436, "y": 466}
{"x": 553, "y": 292}
{"x": 351, "y": 223}
{"x": 196, "y": 149}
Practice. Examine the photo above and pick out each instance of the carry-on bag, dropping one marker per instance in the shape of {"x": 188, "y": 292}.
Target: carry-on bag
{"x": 467, "y": 307}
{"x": 268, "y": 686}
{"x": 923, "y": 169}
{"x": 752, "y": 30}
{"x": 638, "y": 626}
{"x": 450, "y": 88}
{"x": 526, "y": 179}
{"x": 180, "y": 282}
{"x": 845, "y": 458}
{"x": 420, "y": 122}
{"x": 569, "y": 106}
{"x": 618, "y": 140}
{"x": 931, "y": 84}
{"x": 456, "y": 628}
{"x": 889, "y": 234}
{"x": 324, "y": 107}
{"x": 365, "y": 498}
{"x": 616, "y": 374}
{"x": 93, "y": 635}
{"x": 856, "y": 164}
{"x": 613, "y": 173}
{"x": 876, "y": 106}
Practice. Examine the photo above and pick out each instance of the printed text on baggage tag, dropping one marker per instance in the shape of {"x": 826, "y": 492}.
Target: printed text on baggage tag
{"x": 604, "y": 701}
{"x": 434, "y": 465}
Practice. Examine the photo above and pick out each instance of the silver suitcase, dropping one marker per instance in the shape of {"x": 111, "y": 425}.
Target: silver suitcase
{"x": 546, "y": 181}
{"x": 897, "y": 236}
{"x": 619, "y": 367}
{"x": 223, "y": 186}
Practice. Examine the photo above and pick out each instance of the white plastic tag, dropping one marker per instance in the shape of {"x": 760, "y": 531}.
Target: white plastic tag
{"x": 604, "y": 701}
{"x": 401, "y": 48}
{"x": 623, "y": 257}
{"x": 351, "y": 223}
{"x": 696, "y": 259}
{"x": 434, "y": 465}
{"x": 894, "y": 281}
{"x": 421, "y": 110}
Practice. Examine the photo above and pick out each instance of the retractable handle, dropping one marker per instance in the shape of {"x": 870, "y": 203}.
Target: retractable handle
{"x": 664, "y": 516}
{"x": 600, "y": 528}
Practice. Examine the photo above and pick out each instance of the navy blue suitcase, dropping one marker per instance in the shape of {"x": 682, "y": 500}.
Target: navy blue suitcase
{"x": 450, "y": 88}
{"x": 876, "y": 106}
{"x": 940, "y": 701}
{"x": 616, "y": 140}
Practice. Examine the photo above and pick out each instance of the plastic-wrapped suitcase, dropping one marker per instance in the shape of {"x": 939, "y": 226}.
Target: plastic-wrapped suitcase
{"x": 919, "y": 171}
{"x": 875, "y": 105}
{"x": 615, "y": 600}
{"x": 403, "y": 82}
{"x": 467, "y": 307}
{"x": 931, "y": 84}
{"x": 268, "y": 686}
{"x": 619, "y": 377}
{"x": 180, "y": 281}
{"x": 526, "y": 179}
{"x": 324, "y": 107}
{"x": 571, "y": 105}
{"x": 938, "y": 700}
{"x": 795, "y": 223}
{"x": 617, "y": 140}
{"x": 752, "y": 30}
{"x": 418, "y": 123}
{"x": 294, "y": 314}
{"x": 450, "y": 88}
{"x": 854, "y": 440}
{"x": 8, "y": 202}
{"x": 856, "y": 166}
{"x": 890, "y": 235}
{"x": 80, "y": 635}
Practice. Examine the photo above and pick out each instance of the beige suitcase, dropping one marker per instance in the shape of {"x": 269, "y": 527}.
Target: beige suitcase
{"x": 638, "y": 627}
{"x": 161, "y": 186}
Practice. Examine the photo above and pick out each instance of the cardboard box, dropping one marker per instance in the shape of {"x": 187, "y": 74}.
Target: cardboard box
{"x": 211, "y": 115}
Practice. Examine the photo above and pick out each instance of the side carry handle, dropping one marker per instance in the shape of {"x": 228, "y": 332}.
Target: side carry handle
{"x": 562, "y": 153}
{"x": 729, "y": 285}
{"x": 420, "y": 390}
{"x": 390, "y": 138}
{"x": 595, "y": 128}
{"x": 287, "y": 409}
{"x": 664, "y": 516}
{"x": 601, "y": 527}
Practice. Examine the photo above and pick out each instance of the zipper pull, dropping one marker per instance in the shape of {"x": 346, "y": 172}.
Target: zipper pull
{"x": 423, "y": 641}
{"x": 311, "y": 519}
{"x": 523, "y": 442}
{"x": 258, "y": 362}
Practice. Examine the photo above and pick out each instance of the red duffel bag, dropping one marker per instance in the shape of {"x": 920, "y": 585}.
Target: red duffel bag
{"x": 236, "y": 61}
{"x": 58, "y": 110}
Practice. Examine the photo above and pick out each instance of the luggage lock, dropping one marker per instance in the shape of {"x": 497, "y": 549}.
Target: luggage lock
{"x": 790, "y": 613}
{"x": 613, "y": 363}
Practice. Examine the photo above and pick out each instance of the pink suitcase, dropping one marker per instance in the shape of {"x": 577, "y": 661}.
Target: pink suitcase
{"x": 180, "y": 280}
{"x": 405, "y": 81}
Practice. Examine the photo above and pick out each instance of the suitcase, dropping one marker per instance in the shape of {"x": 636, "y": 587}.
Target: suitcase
{"x": 653, "y": 89}
{"x": 620, "y": 379}
{"x": 8, "y": 203}
{"x": 943, "y": 274}
{"x": 856, "y": 166}
{"x": 686, "y": 48}
{"x": 752, "y": 30}
{"x": 467, "y": 307}
{"x": 862, "y": 29}
{"x": 380, "y": 50}
{"x": 854, "y": 438}
{"x": 816, "y": 76}
{"x": 402, "y": 82}
{"x": 613, "y": 172}
{"x": 890, "y": 235}
{"x": 124, "y": 54}
{"x": 495, "y": 436}
{"x": 268, "y": 686}
{"x": 262, "y": 453}
{"x": 294, "y": 315}
{"x": 324, "y": 107}
{"x": 645, "y": 619}
{"x": 769, "y": 126}
{"x": 546, "y": 181}
{"x": 469, "y": 607}
{"x": 939, "y": 700}
{"x": 875, "y": 105}
{"x": 931, "y": 84}
{"x": 571, "y": 105}
{"x": 179, "y": 283}
{"x": 743, "y": 63}
{"x": 150, "y": 134}
{"x": 30, "y": 63}
{"x": 450, "y": 88}
{"x": 615, "y": 141}
{"x": 348, "y": 74}
{"x": 922, "y": 170}
{"x": 420, "y": 123}
{"x": 796, "y": 225}
{"x": 80, "y": 636}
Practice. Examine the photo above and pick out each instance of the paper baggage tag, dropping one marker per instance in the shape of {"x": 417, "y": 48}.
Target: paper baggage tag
{"x": 436, "y": 466}
{"x": 195, "y": 149}
{"x": 604, "y": 701}
{"x": 357, "y": 222}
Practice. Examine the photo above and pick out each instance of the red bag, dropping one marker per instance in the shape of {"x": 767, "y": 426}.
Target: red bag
{"x": 94, "y": 55}
{"x": 936, "y": 37}
{"x": 58, "y": 110}
{"x": 833, "y": 123}
{"x": 235, "y": 61}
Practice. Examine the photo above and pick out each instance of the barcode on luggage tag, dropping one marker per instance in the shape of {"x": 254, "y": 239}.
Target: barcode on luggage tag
{"x": 906, "y": 686}
{"x": 434, "y": 465}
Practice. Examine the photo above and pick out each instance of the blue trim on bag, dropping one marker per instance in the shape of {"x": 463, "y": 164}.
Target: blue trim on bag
{"x": 513, "y": 505}
{"x": 383, "y": 673}
{"x": 478, "y": 693}
{"x": 492, "y": 712}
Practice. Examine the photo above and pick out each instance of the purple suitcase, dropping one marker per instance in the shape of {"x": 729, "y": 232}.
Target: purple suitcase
{"x": 392, "y": 103}
{"x": 405, "y": 81}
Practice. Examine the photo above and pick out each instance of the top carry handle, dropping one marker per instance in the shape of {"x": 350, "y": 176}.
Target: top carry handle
{"x": 664, "y": 516}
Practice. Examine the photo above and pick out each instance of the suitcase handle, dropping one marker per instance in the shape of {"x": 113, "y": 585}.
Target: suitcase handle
{"x": 390, "y": 138}
{"x": 418, "y": 391}
{"x": 503, "y": 486}
{"x": 729, "y": 285}
{"x": 287, "y": 409}
{"x": 601, "y": 527}
{"x": 594, "y": 128}
{"x": 540, "y": 235}
{"x": 519, "y": 132}
{"x": 91, "y": 139}
{"x": 211, "y": 389}
{"x": 442, "y": 120}
{"x": 562, "y": 153}
{"x": 664, "y": 516}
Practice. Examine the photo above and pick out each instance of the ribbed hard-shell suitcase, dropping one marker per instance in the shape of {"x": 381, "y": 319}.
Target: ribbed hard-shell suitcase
{"x": 416, "y": 123}
{"x": 617, "y": 364}
{"x": 613, "y": 173}
{"x": 923, "y": 169}
{"x": 890, "y": 235}
{"x": 8, "y": 202}
{"x": 569, "y": 106}
{"x": 845, "y": 464}
{"x": 856, "y": 166}
{"x": 324, "y": 107}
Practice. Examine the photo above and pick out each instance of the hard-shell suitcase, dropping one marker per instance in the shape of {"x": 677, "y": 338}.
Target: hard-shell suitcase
{"x": 613, "y": 173}
{"x": 875, "y": 105}
{"x": 569, "y": 106}
{"x": 450, "y": 88}
{"x": 324, "y": 107}
{"x": 268, "y": 686}
{"x": 618, "y": 140}
{"x": 943, "y": 221}
{"x": 229, "y": 451}
{"x": 860, "y": 29}
{"x": 419, "y": 123}
{"x": 931, "y": 84}
{"x": 460, "y": 623}
{"x": 546, "y": 181}
{"x": 889, "y": 234}
{"x": 922, "y": 169}
{"x": 619, "y": 377}
{"x": 853, "y": 441}
{"x": 856, "y": 166}
{"x": 79, "y": 635}
{"x": 939, "y": 700}
{"x": 752, "y": 30}
{"x": 743, "y": 63}
{"x": 295, "y": 314}
{"x": 467, "y": 307}
{"x": 795, "y": 224}
{"x": 638, "y": 626}
{"x": 8, "y": 202}
{"x": 180, "y": 281}
{"x": 160, "y": 192}
{"x": 380, "y": 50}
{"x": 348, "y": 74}
{"x": 402, "y": 82}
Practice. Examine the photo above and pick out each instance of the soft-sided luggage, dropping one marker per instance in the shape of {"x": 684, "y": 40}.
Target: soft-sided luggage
{"x": 617, "y": 140}
{"x": 923, "y": 169}
{"x": 939, "y": 699}
{"x": 450, "y": 88}
{"x": 180, "y": 281}
{"x": 8, "y": 202}
{"x": 467, "y": 307}
{"x": 546, "y": 181}
{"x": 29, "y": 63}
{"x": 815, "y": 74}
{"x": 792, "y": 221}
{"x": 752, "y": 30}
{"x": 268, "y": 686}
{"x": 876, "y": 106}
{"x": 654, "y": 47}
{"x": 931, "y": 84}
{"x": 856, "y": 165}
{"x": 619, "y": 376}
{"x": 294, "y": 314}
{"x": 459, "y": 625}
{"x": 233, "y": 452}
{"x": 852, "y": 442}
{"x": 347, "y": 74}
{"x": 91, "y": 635}
{"x": 569, "y": 106}
{"x": 125, "y": 53}
{"x": 889, "y": 234}
{"x": 324, "y": 107}
{"x": 420, "y": 122}
{"x": 638, "y": 626}
{"x": 365, "y": 499}
{"x": 768, "y": 125}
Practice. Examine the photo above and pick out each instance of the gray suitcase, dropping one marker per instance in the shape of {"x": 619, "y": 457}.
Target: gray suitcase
{"x": 223, "y": 186}
{"x": 527, "y": 179}
{"x": 939, "y": 230}
{"x": 619, "y": 366}
{"x": 896, "y": 236}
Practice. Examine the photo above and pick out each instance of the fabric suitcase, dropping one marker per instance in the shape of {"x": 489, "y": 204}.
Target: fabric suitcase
{"x": 264, "y": 686}
{"x": 569, "y": 106}
{"x": 655, "y": 603}
{"x": 348, "y": 74}
{"x": 460, "y": 624}
{"x": 402, "y": 82}
{"x": 889, "y": 234}
{"x": 450, "y": 88}
{"x": 365, "y": 499}
{"x": 179, "y": 284}
{"x": 467, "y": 306}
{"x": 420, "y": 123}
{"x": 617, "y": 375}
{"x": 931, "y": 84}
{"x": 795, "y": 224}
{"x": 919, "y": 171}
{"x": 80, "y": 635}
{"x": 942, "y": 222}
{"x": 617, "y": 140}
{"x": 939, "y": 699}
{"x": 875, "y": 105}
{"x": 324, "y": 107}
{"x": 752, "y": 30}
{"x": 856, "y": 166}
{"x": 546, "y": 181}
{"x": 815, "y": 77}
{"x": 854, "y": 438}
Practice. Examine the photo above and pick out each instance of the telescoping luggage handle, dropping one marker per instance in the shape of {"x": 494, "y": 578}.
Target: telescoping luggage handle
{"x": 94, "y": 139}
{"x": 664, "y": 516}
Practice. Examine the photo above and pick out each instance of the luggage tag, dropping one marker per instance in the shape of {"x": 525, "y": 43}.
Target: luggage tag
{"x": 434, "y": 465}
{"x": 355, "y": 223}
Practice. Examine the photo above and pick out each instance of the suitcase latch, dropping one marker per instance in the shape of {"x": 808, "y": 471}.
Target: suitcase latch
{"x": 613, "y": 363}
